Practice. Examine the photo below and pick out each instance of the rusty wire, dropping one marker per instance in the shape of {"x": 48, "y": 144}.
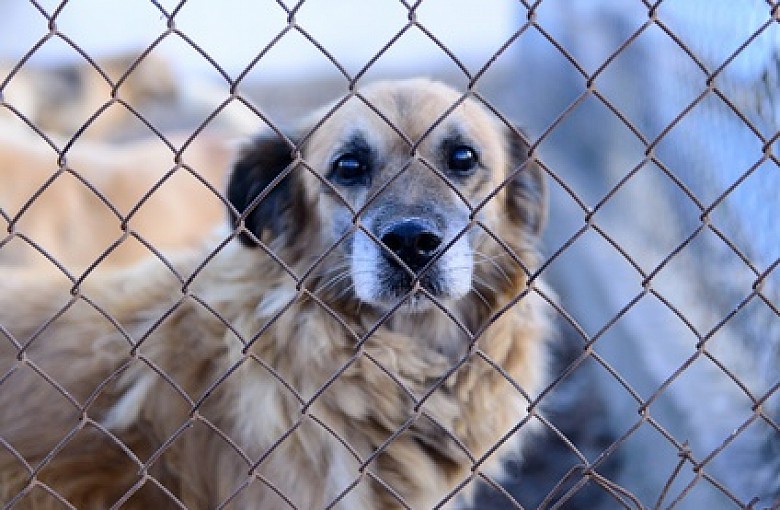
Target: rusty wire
{"x": 585, "y": 471}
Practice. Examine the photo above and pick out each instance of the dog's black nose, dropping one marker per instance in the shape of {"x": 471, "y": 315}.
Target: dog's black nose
{"x": 412, "y": 241}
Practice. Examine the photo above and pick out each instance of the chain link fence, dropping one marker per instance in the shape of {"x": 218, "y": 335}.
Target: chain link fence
{"x": 663, "y": 169}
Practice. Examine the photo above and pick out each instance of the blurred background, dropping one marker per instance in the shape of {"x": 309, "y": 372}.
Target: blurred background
{"x": 658, "y": 127}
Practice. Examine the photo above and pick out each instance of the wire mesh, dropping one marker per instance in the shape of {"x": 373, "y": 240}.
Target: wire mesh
{"x": 693, "y": 469}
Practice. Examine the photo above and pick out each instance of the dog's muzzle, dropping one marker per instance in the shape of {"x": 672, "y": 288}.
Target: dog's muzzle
{"x": 411, "y": 247}
{"x": 414, "y": 257}
{"x": 413, "y": 241}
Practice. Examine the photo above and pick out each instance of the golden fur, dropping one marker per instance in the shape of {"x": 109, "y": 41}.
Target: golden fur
{"x": 259, "y": 378}
{"x": 72, "y": 223}
{"x": 60, "y": 99}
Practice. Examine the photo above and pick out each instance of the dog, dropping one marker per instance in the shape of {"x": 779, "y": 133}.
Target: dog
{"x": 70, "y": 221}
{"x": 60, "y": 99}
{"x": 370, "y": 334}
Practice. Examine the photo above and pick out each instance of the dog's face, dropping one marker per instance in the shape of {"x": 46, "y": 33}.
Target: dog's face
{"x": 421, "y": 194}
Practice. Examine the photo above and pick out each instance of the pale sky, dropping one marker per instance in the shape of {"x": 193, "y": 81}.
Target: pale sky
{"x": 234, "y": 31}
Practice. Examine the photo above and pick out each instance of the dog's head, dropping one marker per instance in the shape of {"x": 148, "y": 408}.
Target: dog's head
{"x": 405, "y": 191}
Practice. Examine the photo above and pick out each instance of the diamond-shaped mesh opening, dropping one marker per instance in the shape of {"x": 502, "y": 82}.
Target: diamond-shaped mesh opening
{"x": 595, "y": 319}
{"x": 260, "y": 357}
{"x": 471, "y": 18}
{"x": 388, "y": 60}
{"x": 58, "y": 104}
{"x": 262, "y": 86}
{"x": 638, "y": 60}
{"x": 718, "y": 306}
{"x": 755, "y": 187}
{"x": 720, "y": 394}
{"x": 357, "y": 21}
{"x": 47, "y": 220}
{"x": 733, "y": 31}
{"x": 592, "y": 188}
{"x": 614, "y": 23}
{"x": 82, "y": 447}
{"x": 723, "y": 175}
{"x": 69, "y": 18}
{"x": 678, "y": 340}
{"x": 55, "y": 397}
{"x": 329, "y": 456}
{"x": 661, "y": 466}
{"x": 755, "y": 381}
{"x": 560, "y": 84}
{"x": 203, "y": 30}
{"x": 648, "y": 188}
{"x": 175, "y": 191}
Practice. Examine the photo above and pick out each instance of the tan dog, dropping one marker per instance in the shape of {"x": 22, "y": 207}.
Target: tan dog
{"x": 71, "y": 222}
{"x": 62, "y": 99}
{"x": 370, "y": 343}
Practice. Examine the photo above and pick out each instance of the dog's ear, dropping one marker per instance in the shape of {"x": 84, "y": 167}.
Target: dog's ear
{"x": 527, "y": 191}
{"x": 265, "y": 187}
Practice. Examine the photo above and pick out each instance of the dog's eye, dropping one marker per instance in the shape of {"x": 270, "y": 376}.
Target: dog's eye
{"x": 462, "y": 159}
{"x": 350, "y": 170}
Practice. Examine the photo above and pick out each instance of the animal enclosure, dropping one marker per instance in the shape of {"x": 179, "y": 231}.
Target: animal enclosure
{"x": 656, "y": 126}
